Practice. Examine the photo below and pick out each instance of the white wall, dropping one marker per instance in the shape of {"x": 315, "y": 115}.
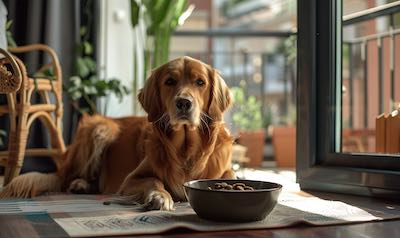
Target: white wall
{"x": 116, "y": 53}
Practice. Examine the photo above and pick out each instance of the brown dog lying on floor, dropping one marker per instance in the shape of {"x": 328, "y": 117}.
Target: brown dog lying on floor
{"x": 148, "y": 159}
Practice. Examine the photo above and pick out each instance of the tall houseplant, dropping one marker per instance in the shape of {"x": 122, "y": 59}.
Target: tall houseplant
{"x": 153, "y": 23}
{"x": 247, "y": 119}
{"x": 85, "y": 86}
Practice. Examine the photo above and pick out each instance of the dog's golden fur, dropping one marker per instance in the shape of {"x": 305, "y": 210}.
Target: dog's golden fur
{"x": 148, "y": 159}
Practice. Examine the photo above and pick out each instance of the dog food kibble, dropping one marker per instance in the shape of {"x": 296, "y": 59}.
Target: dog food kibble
{"x": 235, "y": 186}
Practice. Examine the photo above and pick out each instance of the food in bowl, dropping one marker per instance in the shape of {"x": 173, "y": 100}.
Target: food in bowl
{"x": 217, "y": 204}
{"x": 226, "y": 186}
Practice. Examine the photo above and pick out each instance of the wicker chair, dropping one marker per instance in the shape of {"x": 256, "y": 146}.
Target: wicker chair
{"x": 18, "y": 87}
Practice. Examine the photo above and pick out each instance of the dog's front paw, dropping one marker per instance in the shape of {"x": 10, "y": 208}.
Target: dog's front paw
{"x": 79, "y": 186}
{"x": 158, "y": 200}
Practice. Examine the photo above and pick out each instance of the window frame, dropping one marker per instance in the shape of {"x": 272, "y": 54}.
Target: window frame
{"x": 318, "y": 168}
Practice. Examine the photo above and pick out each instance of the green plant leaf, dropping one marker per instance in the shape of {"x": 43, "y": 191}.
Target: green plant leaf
{"x": 252, "y": 100}
{"x": 87, "y": 48}
{"x": 90, "y": 90}
{"x": 83, "y": 30}
{"x": 101, "y": 84}
{"x": 81, "y": 67}
{"x": 135, "y": 10}
{"x": 126, "y": 90}
{"x": 90, "y": 64}
{"x": 10, "y": 40}
{"x": 49, "y": 72}
{"x": 75, "y": 81}
{"x": 179, "y": 9}
{"x": 247, "y": 111}
{"x": 75, "y": 95}
{"x": 156, "y": 12}
{"x": 102, "y": 87}
{"x": 9, "y": 24}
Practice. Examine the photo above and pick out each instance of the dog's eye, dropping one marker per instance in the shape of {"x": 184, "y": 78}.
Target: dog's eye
{"x": 200, "y": 82}
{"x": 170, "y": 82}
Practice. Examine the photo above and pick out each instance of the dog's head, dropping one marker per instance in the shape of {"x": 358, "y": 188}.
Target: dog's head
{"x": 185, "y": 91}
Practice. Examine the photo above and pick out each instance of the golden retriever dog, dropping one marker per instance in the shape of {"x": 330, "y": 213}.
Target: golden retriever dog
{"x": 148, "y": 159}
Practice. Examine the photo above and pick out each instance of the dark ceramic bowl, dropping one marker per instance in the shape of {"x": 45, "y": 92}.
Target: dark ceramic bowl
{"x": 232, "y": 205}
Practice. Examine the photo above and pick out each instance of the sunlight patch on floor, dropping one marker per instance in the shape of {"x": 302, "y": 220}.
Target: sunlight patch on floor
{"x": 286, "y": 177}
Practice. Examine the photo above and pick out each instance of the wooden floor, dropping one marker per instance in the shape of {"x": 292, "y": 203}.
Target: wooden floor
{"x": 25, "y": 226}
{"x": 21, "y": 227}
{"x": 385, "y": 229}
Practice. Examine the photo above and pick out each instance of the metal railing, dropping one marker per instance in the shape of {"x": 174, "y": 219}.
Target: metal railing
{"x": 364, "y": 46}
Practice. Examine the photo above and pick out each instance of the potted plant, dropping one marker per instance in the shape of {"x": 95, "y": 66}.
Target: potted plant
{"x": 247, "y": 120}
{"x": 85, "y": 87}
{"x": 284, "y": 140}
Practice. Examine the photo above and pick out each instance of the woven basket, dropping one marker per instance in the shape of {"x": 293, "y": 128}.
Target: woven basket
{"x": 10, "y": 75}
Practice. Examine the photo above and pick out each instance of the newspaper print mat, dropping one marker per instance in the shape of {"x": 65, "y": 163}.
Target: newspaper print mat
{"x": 85, "y": 215}
{"x": 288, "y": 212}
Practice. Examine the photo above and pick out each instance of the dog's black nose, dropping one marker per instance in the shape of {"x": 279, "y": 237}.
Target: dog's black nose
{"x": 183, "y": 104}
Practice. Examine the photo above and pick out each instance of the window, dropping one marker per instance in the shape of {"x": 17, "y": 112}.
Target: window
{"x": 370, "y": 51}
{"x": 322, "y": 162}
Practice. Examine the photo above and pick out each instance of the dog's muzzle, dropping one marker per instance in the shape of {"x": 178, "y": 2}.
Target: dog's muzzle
{"x": 183, "y": 105}
{"x": 184, "y": 109}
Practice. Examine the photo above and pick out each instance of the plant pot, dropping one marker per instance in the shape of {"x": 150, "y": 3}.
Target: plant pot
{"x": 254, "y": 142}
{"x": 284, "y": 144}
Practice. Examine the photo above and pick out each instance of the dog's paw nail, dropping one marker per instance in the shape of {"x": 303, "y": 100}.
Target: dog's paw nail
{"x": 158, "y": 201}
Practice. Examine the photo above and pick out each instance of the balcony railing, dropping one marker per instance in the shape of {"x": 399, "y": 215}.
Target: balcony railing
{"x": 371, "y": 66}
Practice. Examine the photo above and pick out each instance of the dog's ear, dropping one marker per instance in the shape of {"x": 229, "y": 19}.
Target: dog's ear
{"x": 220, "y": 95}
{"x": 149, "y": 96}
